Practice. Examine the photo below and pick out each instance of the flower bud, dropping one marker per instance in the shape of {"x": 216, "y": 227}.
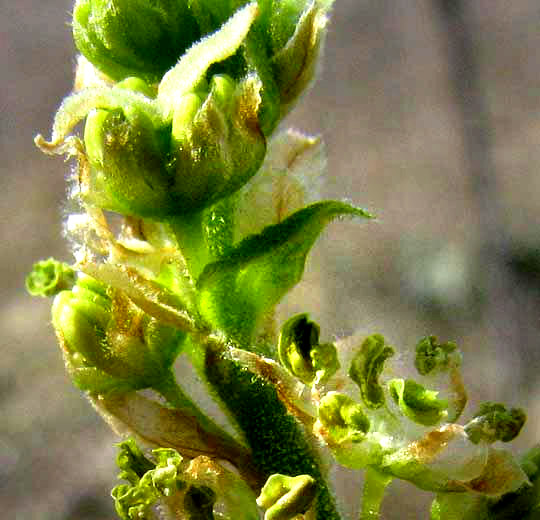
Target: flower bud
{"x": 286, "y": 497}
{"x": 134, "y": 37}
{"x": 108, "y": 340}
{"x": 216, "y": 142}
{"x": 127, "y": 163}
{"x": 294, "y": 63}
{"x": 214, "y": 147}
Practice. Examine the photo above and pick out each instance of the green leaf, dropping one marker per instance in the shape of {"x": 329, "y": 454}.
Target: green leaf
{"x": 236, "y": 291}
{"x": 49, "y": 277}
{"x": 416, "y": 402}
{"x": 366, "y": 367}
{"x": 494, "y": 422}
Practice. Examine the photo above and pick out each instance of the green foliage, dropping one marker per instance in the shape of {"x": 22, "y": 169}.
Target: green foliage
{"x": 239, "y": 289}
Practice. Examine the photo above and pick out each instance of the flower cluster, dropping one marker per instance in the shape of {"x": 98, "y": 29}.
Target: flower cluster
{"x": 192, "y": 218}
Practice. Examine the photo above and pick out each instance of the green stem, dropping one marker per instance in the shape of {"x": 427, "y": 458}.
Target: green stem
{"x": 375, "y": 484}
{"x": 188, "y": 231}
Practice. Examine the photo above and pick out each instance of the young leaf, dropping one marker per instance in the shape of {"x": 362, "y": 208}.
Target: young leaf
{"x": 237, "y": 290}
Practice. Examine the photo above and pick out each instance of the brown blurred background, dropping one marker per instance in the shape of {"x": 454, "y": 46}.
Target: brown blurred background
{"x": 430, "y": 111}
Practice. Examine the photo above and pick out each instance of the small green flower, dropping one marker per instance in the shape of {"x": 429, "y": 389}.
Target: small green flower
{"x": 366, "y": 367}
{"x": 49, "y": 277}
{"x": 494, "y": 422}
{"x": 342, "y": 418}
{"x": 416, "y": 402}
{"x": 216, "y": 143}
{"x": 433, "y": 356}
{"x": 302, "y": 355}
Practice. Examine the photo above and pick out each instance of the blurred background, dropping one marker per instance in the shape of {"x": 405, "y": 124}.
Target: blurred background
{"x": 430, "y": 114}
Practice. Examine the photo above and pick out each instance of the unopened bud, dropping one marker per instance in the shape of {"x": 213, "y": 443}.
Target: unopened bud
{"x": 285, "y": 497}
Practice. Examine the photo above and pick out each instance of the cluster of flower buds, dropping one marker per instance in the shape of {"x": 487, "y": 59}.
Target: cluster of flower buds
{"x": 190, "y": 93}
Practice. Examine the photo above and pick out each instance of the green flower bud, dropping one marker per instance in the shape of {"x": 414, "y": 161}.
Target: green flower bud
{"x": 110, "y": 341}
{"x": 49, "y": 277}
{"x": 285, "y": 497}
{"x": 342, "y": 419}
{"x": 216, "y": 143}
{"x": 302, "y": 355}
{"x": 214, "y": 148}
{"x": 134, "y": 37}
{"x": 416, "y": 402}
{"x": 128, "y": 164}
{"x": 366, "y": 367}
{"x": 494, "y": 422}
{"x": 432, "y": 356}
{"x": 294, "y": 64}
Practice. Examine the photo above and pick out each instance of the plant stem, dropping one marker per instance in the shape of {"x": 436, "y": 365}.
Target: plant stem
{"x": 189, "y": 235}
{"x": 375, "y": 484}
